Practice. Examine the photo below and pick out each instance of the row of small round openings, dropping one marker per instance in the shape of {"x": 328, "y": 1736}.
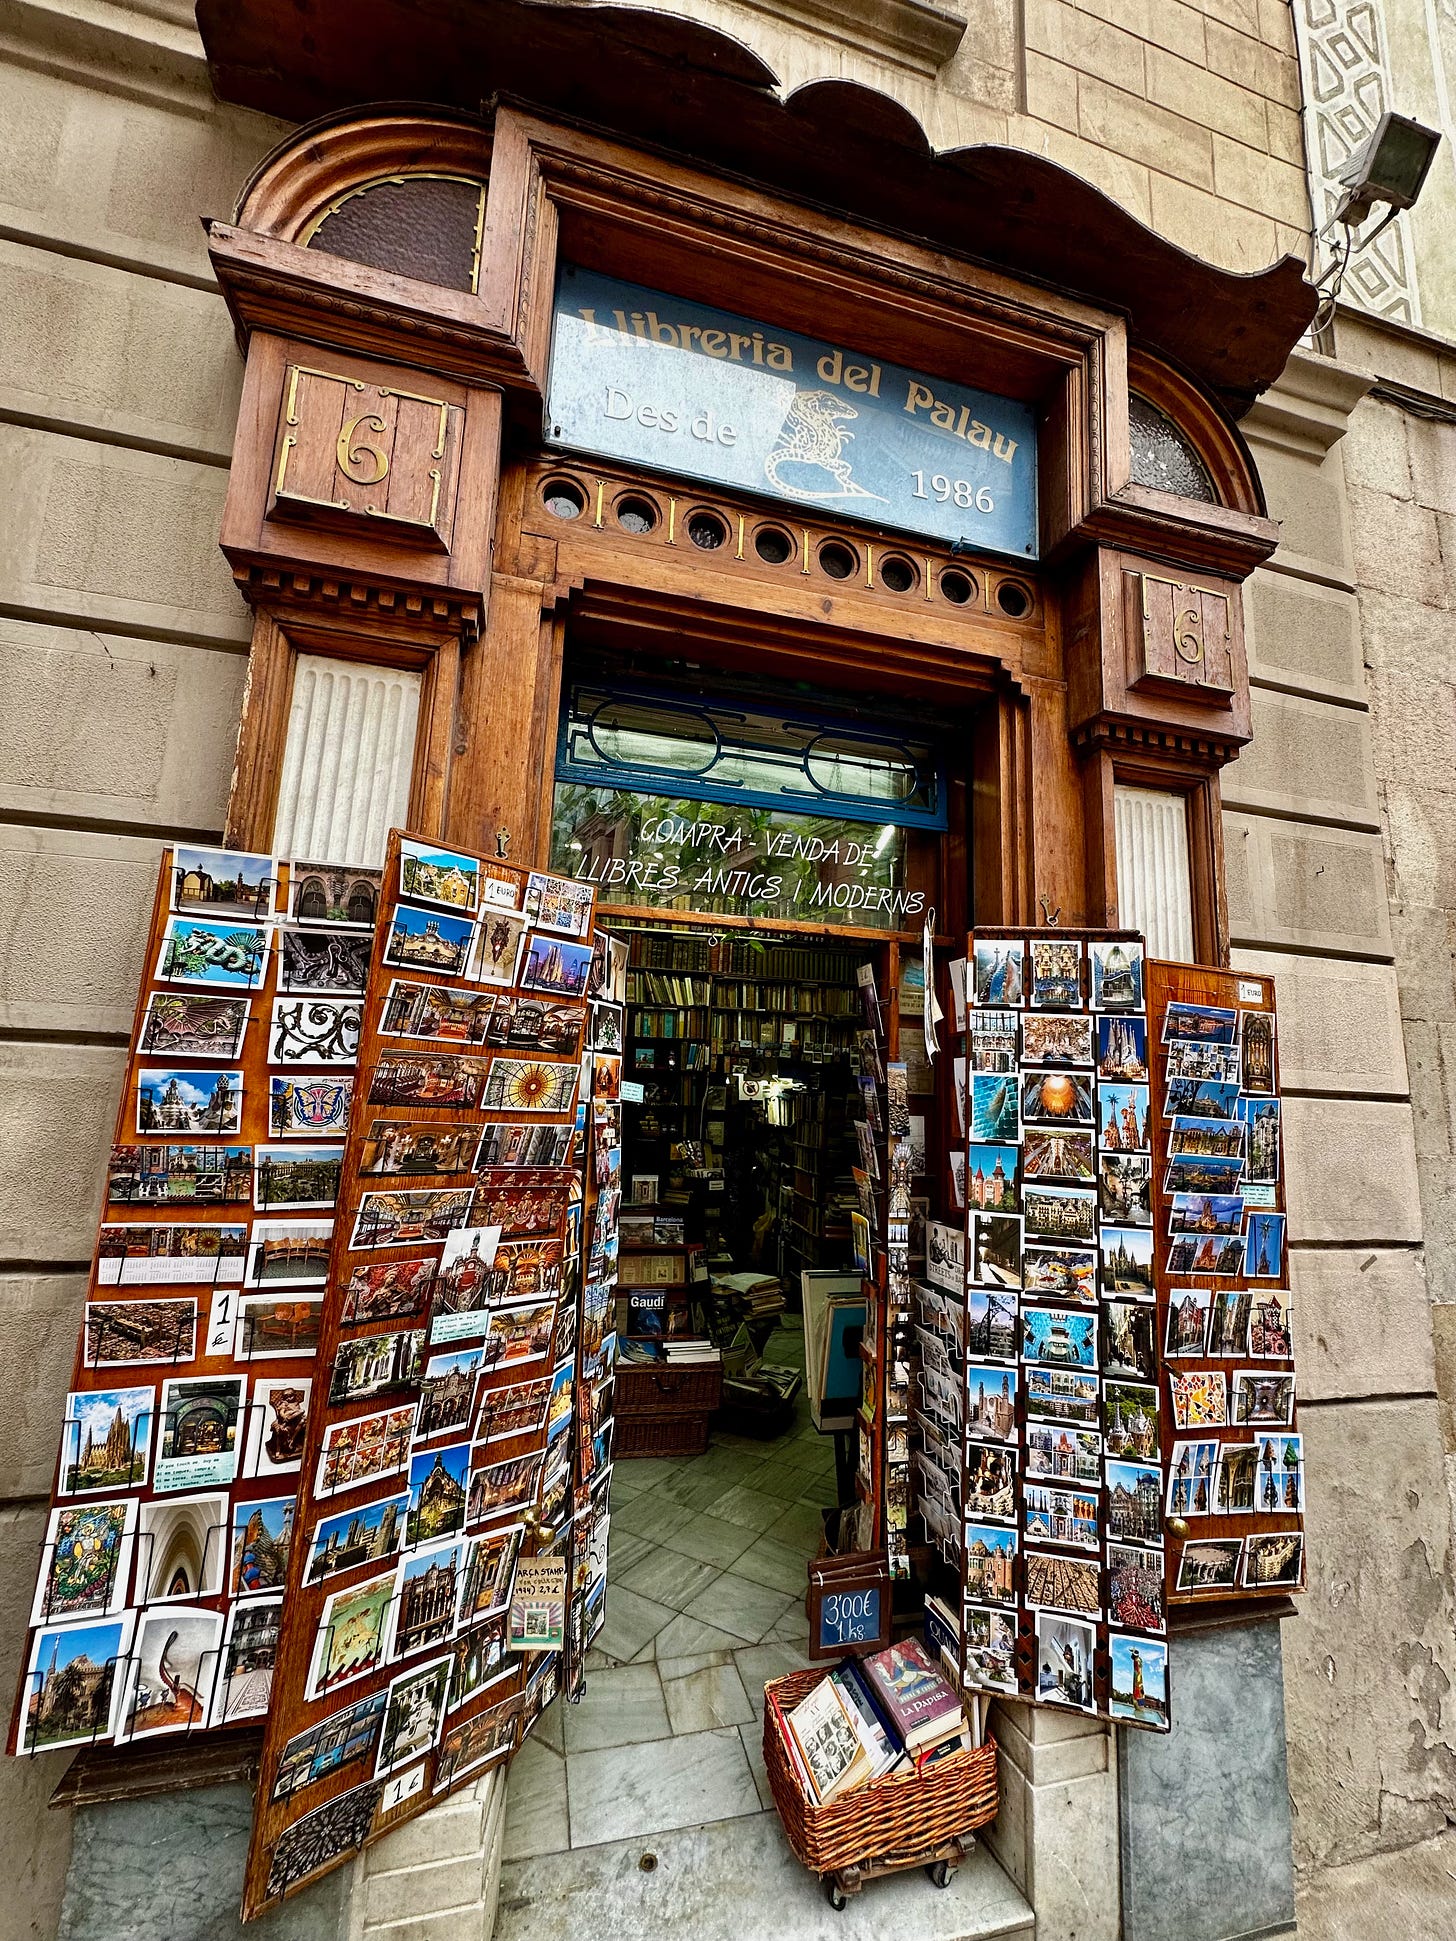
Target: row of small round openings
{"x": 707, "y": 531}
{"x": 564, "y": 498}
{"x": 636, "y": 515}
{"x": 1013, "y": 599}
{"x": 957, "y": 587}
{"x": 838, "y": 560}
{"x": 773, "y": 545}
{"x": 897, "y": 575}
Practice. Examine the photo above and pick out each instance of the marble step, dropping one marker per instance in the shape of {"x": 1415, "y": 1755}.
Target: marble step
{"x": 737, "y": 1881}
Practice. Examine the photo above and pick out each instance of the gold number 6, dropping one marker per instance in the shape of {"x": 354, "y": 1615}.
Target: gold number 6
{"x": 347, "y": 454}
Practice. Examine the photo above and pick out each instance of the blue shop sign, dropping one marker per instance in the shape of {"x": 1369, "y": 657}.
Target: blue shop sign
{"x": 679, "y": 387}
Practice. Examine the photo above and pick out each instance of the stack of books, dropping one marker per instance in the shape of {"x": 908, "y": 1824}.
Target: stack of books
{"x": 889, "y": 1713}
{"x": 692, "y": 1349}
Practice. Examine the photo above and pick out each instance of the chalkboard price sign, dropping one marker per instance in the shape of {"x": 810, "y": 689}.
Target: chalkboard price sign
{"x": 849, "y": 1604}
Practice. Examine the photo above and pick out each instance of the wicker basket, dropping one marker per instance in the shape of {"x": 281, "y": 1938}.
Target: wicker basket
{"x": 911, "y": 1814}
{"x": 668, "y": 1434}
{"x": 654, "y": 1389}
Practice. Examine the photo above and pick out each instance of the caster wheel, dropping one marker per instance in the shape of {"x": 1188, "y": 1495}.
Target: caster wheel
{"x": 838, "y": 1899}
{"x": 941, "y": 1873}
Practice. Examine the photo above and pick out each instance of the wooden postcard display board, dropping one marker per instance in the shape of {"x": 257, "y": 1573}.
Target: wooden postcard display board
{"x": 1235, "y": 1456}
{"x": 1052, "y": 1389}
{"x": 161, "y": 1584}
{"x": 438, "y": 1460}
{"x": 881, "y": 1178}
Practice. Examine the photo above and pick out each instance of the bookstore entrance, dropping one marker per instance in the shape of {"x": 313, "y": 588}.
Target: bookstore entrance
{"x": 726, "y": 831}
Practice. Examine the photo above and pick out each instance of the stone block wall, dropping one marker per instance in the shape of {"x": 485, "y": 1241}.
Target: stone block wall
{"x": 1321, "y": 818}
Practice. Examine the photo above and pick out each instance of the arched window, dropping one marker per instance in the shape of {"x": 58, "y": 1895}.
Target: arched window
{"x": 1163, "y": 457}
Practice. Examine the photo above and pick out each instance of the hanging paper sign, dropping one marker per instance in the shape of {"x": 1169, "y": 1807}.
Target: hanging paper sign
{"x": 681, "y": 387}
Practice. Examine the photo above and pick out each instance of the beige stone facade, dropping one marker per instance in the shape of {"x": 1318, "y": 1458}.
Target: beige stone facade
{"x": 122, "y": 653}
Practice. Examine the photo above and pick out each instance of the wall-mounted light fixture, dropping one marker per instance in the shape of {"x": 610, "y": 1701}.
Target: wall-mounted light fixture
{"x": 1390, "y": 168}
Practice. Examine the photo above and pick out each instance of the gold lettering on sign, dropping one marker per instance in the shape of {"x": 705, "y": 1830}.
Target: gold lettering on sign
{"x": 1186, "y": 634}
{"x": 348, "y": 454}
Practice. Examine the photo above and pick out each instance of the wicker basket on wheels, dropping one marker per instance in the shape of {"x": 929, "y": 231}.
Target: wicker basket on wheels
{"x": 913, "y": 1819}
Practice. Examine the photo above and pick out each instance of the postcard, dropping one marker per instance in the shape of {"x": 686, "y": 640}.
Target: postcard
{"x": 140, "y": 1254}
{"x": 106, "y": 1440}
{"x": 1187, "y": 1321}
{"x": 1238, "y": 1479}
{"x": 489, "y": 1570}
{"x": 1260, "y": 1124}
{"x": 1117, "y": 976}
{"x": 552, "y": 964}
{"x": 1135, "y": 1500}
{"x": 989, "y": 1486}
{"x": 424, "y": 1078}
{"x": 1206, "y": 1138}
{"x": 1050, "y": 1515}
{"x": 73, "y": 1681}
{"x": 1139, "y": 1681}
{"x": 394, "y": 1290}
{"x": 428, "y": 940}
{"x": 1122, "y": 1049}
{"x": 223, "y": 883}
{"x": 480, "y": 1663}
{"x": 1200, "y": 1098}
{"x": 447, "y": 1392}
{"x": 498, "y": 948}
{"x": 990, "y": 1554}
{"x": 376, "y": 1366}
{"x": 519, "y": 1023}
{"x": 1193, "y": 1173}
{"x": 1130, "y": 1420}
{"x": 1125, "y": 1188}
{"x": 1270, "y": 1334}
{"x": 289, "y": 1253}
{"x": 1130, "y": 1340}
{"x": 1062, "y": 1395}
{"x": 1062, "y": 1583}
{"x": 1209, "y": 1564}
{"x": 558, "y": 903}
{"x": 1124, "y": 1117}
{"x": 137, "y": 1334}
{"x": 994, "y": 1038}
{"x": 413, "y": 1714}
{"x": 364, "y": 1449}
{"x": 301, "y": 1106}
{"x": 1053, "y": 1040}
{"x": 1256, "y": 1049}
{"x": 1062, "y": 1454}
{"x": 529, "y": 1085}
{"x": 1207, "y": 1024}
{"x": 428, "y": 874}
{"x": 995, "y": 1112}
{"x": 1189, "y": 1059}
{"x": 1058, "y": 1155}
{"x": 1057, "y": 1098}
{"x": 1127, "y": 1261}
{"x": 437, "y": 1013}
{"x": 1199, "y": 1397}
{"x": 1066, "y": 1650}
{"x": 409, "y": 1217}
{"x": 262, "y": 1531}
{"x": 1261, "y": 1399}
{"x": 1065, "y": 1273}
{"x": 523, "y": 1203}
{"x": 1264, "y": 1247}
{"x": 1275, "y": 1561}
{"x": 340, "y": 1826}
{"x": 999, "y": 973}
{"x": 1228, "y": 1322}
{"x": 323, "y": 963}
{"x": 315, "y": 1030}
{"x": 1059, "y": 1337}
{"x": 437, "y": 1485}
{"x": 991, "y": 1178}
{"x": 175, "y": 1101}
{"x": 1064, "y": 1213}
{"x": 249, "y": 1658}
{"x": 85, "y": 1562}
{"x": 199, "y": 1422}
{"x": 274, "y": 1327}
{"x": 504, "y": 1488}
{"x": 1191, "y": 1474}
{"x": 989, "y": 1639}
{"x": 173, "y": 1669}
{"x": 1056, "y": 974}
{"x": 481, "y": 1740}
{"x": 350, "y": 1640}
{"x": 1206, "y": 1213}
{"x": 996, "y": 1244}
{"x": 179, "y": 1024}
{"x": 991, "y": 1402}
{"x": 223, "y": 956}
{"x": 296, "y": 1178}
{"x": 518, "y": 1333}
{"x": 370, "y": 1534}
{"x": 329, "y": 1746}
{"x": 1206, "y": 1254}
{"x": 277, "y": 1421}
{"x": 344, "y": 895}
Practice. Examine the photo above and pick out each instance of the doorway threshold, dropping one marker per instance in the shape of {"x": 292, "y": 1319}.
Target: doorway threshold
{"x": 736, "y": 1880}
